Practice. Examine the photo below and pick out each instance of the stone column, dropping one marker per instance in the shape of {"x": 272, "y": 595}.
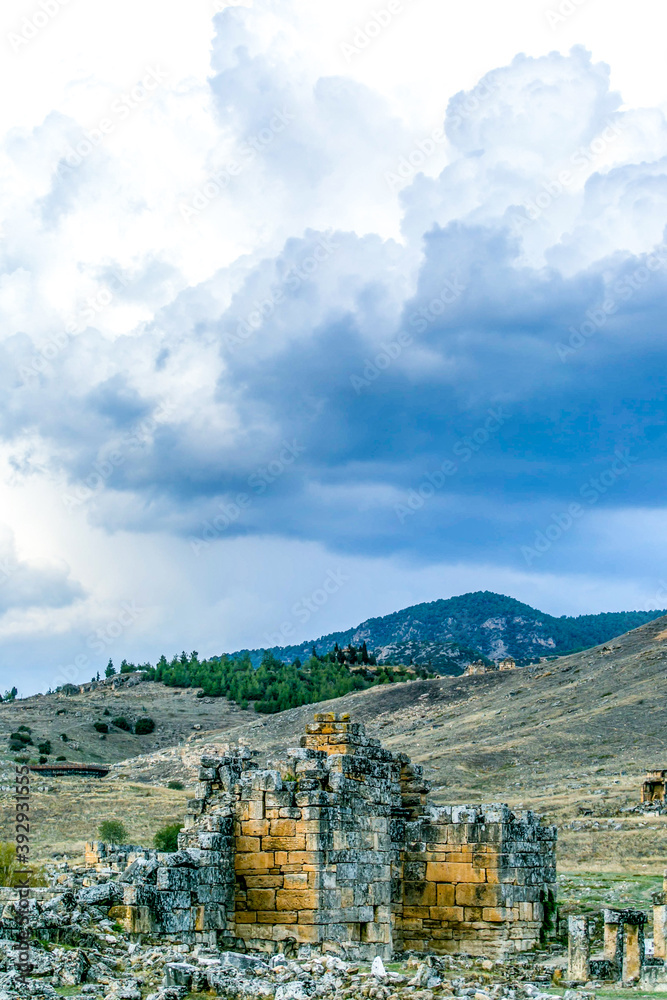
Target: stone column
{"x": 578, "y": 950}
{"x": 613, "y": 939}
{"x": 660, "y": 922}
{"x": 633, "y": 952}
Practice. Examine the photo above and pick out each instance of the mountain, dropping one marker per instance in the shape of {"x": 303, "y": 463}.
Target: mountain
{"x": 450, "y": 634}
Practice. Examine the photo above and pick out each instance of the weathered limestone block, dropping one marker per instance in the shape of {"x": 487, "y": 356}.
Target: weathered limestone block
{"x": 578, "y": 950}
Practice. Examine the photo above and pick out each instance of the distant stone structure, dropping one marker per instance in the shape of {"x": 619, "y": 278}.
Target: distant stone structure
{"x": 653, "y": 788}
{"x": 480, "y": 667}
{"x": 69, "y": 769}
{"x": 335, "y": 848}
{"x": 509, "y": 663}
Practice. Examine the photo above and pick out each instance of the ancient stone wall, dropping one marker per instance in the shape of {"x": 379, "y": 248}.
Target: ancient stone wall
{"x": 334, "y": 847}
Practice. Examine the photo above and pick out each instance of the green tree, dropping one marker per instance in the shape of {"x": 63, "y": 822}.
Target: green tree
{"x": 112, "y": 831}
{"x": 166, "y": 838}
{"x": 110, "y": 670}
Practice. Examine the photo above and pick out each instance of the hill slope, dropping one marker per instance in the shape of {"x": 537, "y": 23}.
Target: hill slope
{"x": 449, "y": 634}
{"x": 570, "y": 738}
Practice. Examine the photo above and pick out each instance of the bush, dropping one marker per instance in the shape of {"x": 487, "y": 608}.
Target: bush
{"x": 176, "y": 785}
{"x": 101, "y": 727}
{"x": 45, "y": 747}
{"x": 64, "y": 737}
{"x": 144, "y": 726}
{"x": 43, "y": 760}
{"x": 106, "y": 712}
{"x": 112, "y": 831}
{"x": 61, "y": 758}
{"x": 120, "y": 722}
{"x": 10, "y": 866}
{"x": 166, "y": 839}
{"x": 21, "y": 737}
{"x": 25, "y": 729}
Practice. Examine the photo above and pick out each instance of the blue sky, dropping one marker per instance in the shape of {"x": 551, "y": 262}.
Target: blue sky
{"x": 277, "y": 309}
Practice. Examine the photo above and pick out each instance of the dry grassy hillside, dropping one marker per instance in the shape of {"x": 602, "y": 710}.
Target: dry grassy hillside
{"x": 570, "y": 738}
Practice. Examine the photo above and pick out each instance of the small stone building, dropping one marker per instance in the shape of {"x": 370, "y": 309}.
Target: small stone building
{"x": 335, "y": 848}
{"x": 653, "y": 788}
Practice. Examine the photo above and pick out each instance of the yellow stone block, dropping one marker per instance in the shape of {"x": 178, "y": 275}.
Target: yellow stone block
{"x": 450, "y": 913}
{"x": 295, "y": 880}
{"x": 297, "y": 899}
{"x": 499, "y": 914}
{"x": 346, "y": 896}
{"x": 253, "y": 862}
{"x": 477, "y": 895}
{"x": 255, "y": 827}
{"x": 283, "y": 827}
{"x": 261, "y": 899}
{"x": 283, "y": 843}
{"x": 245, "y": 917}
{"x": 276, "y": 917}
{"x": 445, "y": 895}
{"x": 453, "y": 873}
{"x": 247, "y": 844}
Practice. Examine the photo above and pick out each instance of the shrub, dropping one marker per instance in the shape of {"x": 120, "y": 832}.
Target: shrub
{"x": 166, "y": 839}
{"x": 43, "y": 760}
{"x": 176, "y": 785}
{"x": 120, "y": 722}
{"x": 21, "y": 737}
{"x": 112, "y": 831}
{"x": 10, "y": 866}
{"x": 64, "y": 737}
{"x": 106, "y": 712}
{"x": 144, "y": 726}
{"x": 101, "y": 727}
{"x": 61, "y": 758}
{"x": 45, "y": 747}
{"x": 25, "y": 729}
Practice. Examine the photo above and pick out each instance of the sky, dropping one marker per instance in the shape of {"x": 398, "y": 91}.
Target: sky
{"x": 344, "y": 299}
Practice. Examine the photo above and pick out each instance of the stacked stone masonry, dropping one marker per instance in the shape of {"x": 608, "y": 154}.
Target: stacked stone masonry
{"x": 335, "y": 848}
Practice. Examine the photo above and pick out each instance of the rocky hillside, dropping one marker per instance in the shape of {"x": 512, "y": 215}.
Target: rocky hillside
{"x": 450, "y": 634}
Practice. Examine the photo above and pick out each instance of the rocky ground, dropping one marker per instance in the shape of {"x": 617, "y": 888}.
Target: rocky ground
{"x": 80, "y": 953}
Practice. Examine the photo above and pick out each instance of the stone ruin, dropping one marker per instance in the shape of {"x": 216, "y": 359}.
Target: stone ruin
{"x": 624, "y": 958}
{"x": 653, "y": 788}
{"x": 480, "y": 667}
{"x": 335, "y": 848}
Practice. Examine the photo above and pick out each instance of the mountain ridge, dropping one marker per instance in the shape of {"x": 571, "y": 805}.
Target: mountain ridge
{"x": 449, "y": 633}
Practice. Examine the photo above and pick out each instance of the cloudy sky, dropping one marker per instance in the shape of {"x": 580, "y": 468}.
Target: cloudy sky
{"x": 369, "y": 295}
